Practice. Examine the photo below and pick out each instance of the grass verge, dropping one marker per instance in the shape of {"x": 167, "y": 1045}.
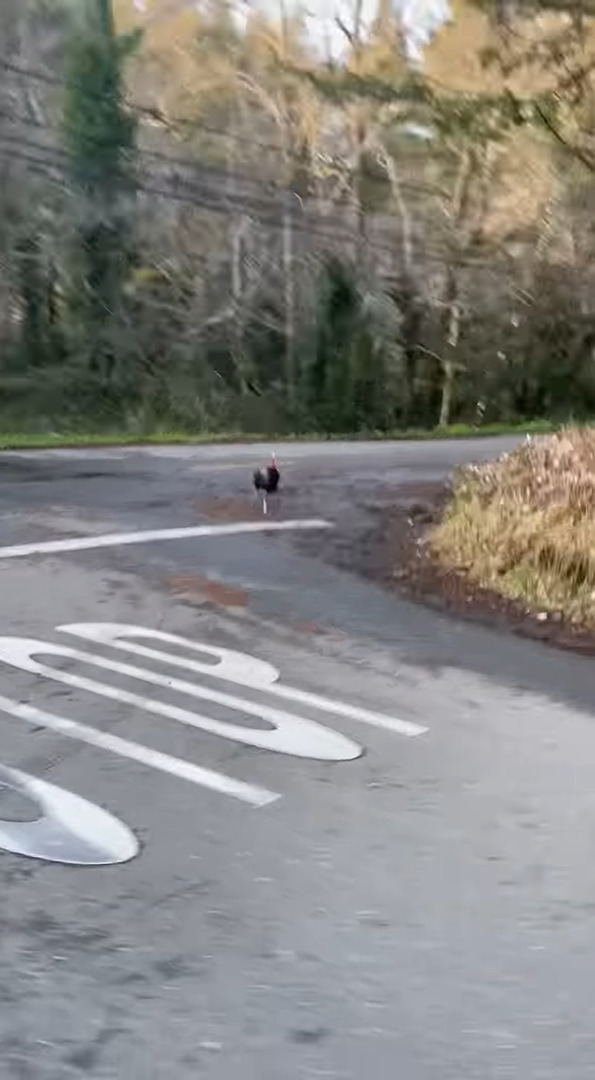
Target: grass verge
{"x": 524, "y": 525}
{"x": 49, "y": 440}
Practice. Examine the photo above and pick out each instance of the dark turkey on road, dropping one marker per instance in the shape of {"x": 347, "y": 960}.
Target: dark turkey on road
{"x": 266, "y": 481}
{"x": 267, "y": 478}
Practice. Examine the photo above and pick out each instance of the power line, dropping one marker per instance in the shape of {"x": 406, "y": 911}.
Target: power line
{"x": 229, "y": 176}
{"x": 217, "y": 171}
{"x": 223, "y": 172}
{"x": 224, "y": 177}
{"x": 191, "y": 163}
{"x": 203, "y": 198}
{"x": 205, "y": 201}
{"x": 199, "y": 190}
{"x": 190, "y": 195}
{"x": 178, "y": 187}
{"x": 151, "y": 112}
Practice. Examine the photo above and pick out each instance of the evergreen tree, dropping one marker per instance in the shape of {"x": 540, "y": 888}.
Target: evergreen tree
{"x": 99, "y": 134}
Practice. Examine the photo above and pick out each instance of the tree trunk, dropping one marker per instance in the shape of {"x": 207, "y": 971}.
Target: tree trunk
{"x": 449, "y": 364}
{"x": 448, "y": 381}
{"x": 458, "y": 214}
{"x": 238, "y": 227}
{"x": 358, "y": 194}
{"x": 289, "y": 288}
{"x": 237, "y": 299}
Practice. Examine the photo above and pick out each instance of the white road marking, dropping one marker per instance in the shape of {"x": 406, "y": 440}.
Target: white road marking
{"x": 184, "y": 770}
{"x": 86, "y": 543}
{"x": 351, "y": 712}
{"x": 291, "y": 734}
{"x": 229, "y": 665}
{"x": 233, "y": 667}
{"x": 69, "y": 829}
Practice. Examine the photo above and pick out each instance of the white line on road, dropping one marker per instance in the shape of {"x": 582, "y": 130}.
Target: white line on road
{"x": 351, "y": 712}
{"x": 85, "y": 543}
{"x": 184, "y": 770}
{"x": 232, "y": 666}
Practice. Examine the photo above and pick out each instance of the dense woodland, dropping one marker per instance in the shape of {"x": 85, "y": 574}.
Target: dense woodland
{"x": 214, "y": 223}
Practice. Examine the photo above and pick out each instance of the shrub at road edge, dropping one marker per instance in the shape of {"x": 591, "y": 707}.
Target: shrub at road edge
{"x": 524, "y": 525}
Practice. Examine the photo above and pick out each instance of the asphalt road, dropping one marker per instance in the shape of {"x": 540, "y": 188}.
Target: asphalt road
{"x": 407, "y": 891}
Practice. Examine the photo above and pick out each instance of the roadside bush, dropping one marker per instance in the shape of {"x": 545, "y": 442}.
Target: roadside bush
{"x": 525, "y": 525}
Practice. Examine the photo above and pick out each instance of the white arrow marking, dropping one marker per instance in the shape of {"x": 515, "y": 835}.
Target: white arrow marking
{"x": 184, "y": 770}
{"x": 86, "y": 543}
{"x": 233, "y": 667}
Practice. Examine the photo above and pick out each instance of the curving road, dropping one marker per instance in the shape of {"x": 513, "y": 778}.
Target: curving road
{"x": 424, "y": 909}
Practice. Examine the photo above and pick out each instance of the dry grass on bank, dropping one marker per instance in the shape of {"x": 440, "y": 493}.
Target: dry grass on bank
{"x": 525, "y": 525}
